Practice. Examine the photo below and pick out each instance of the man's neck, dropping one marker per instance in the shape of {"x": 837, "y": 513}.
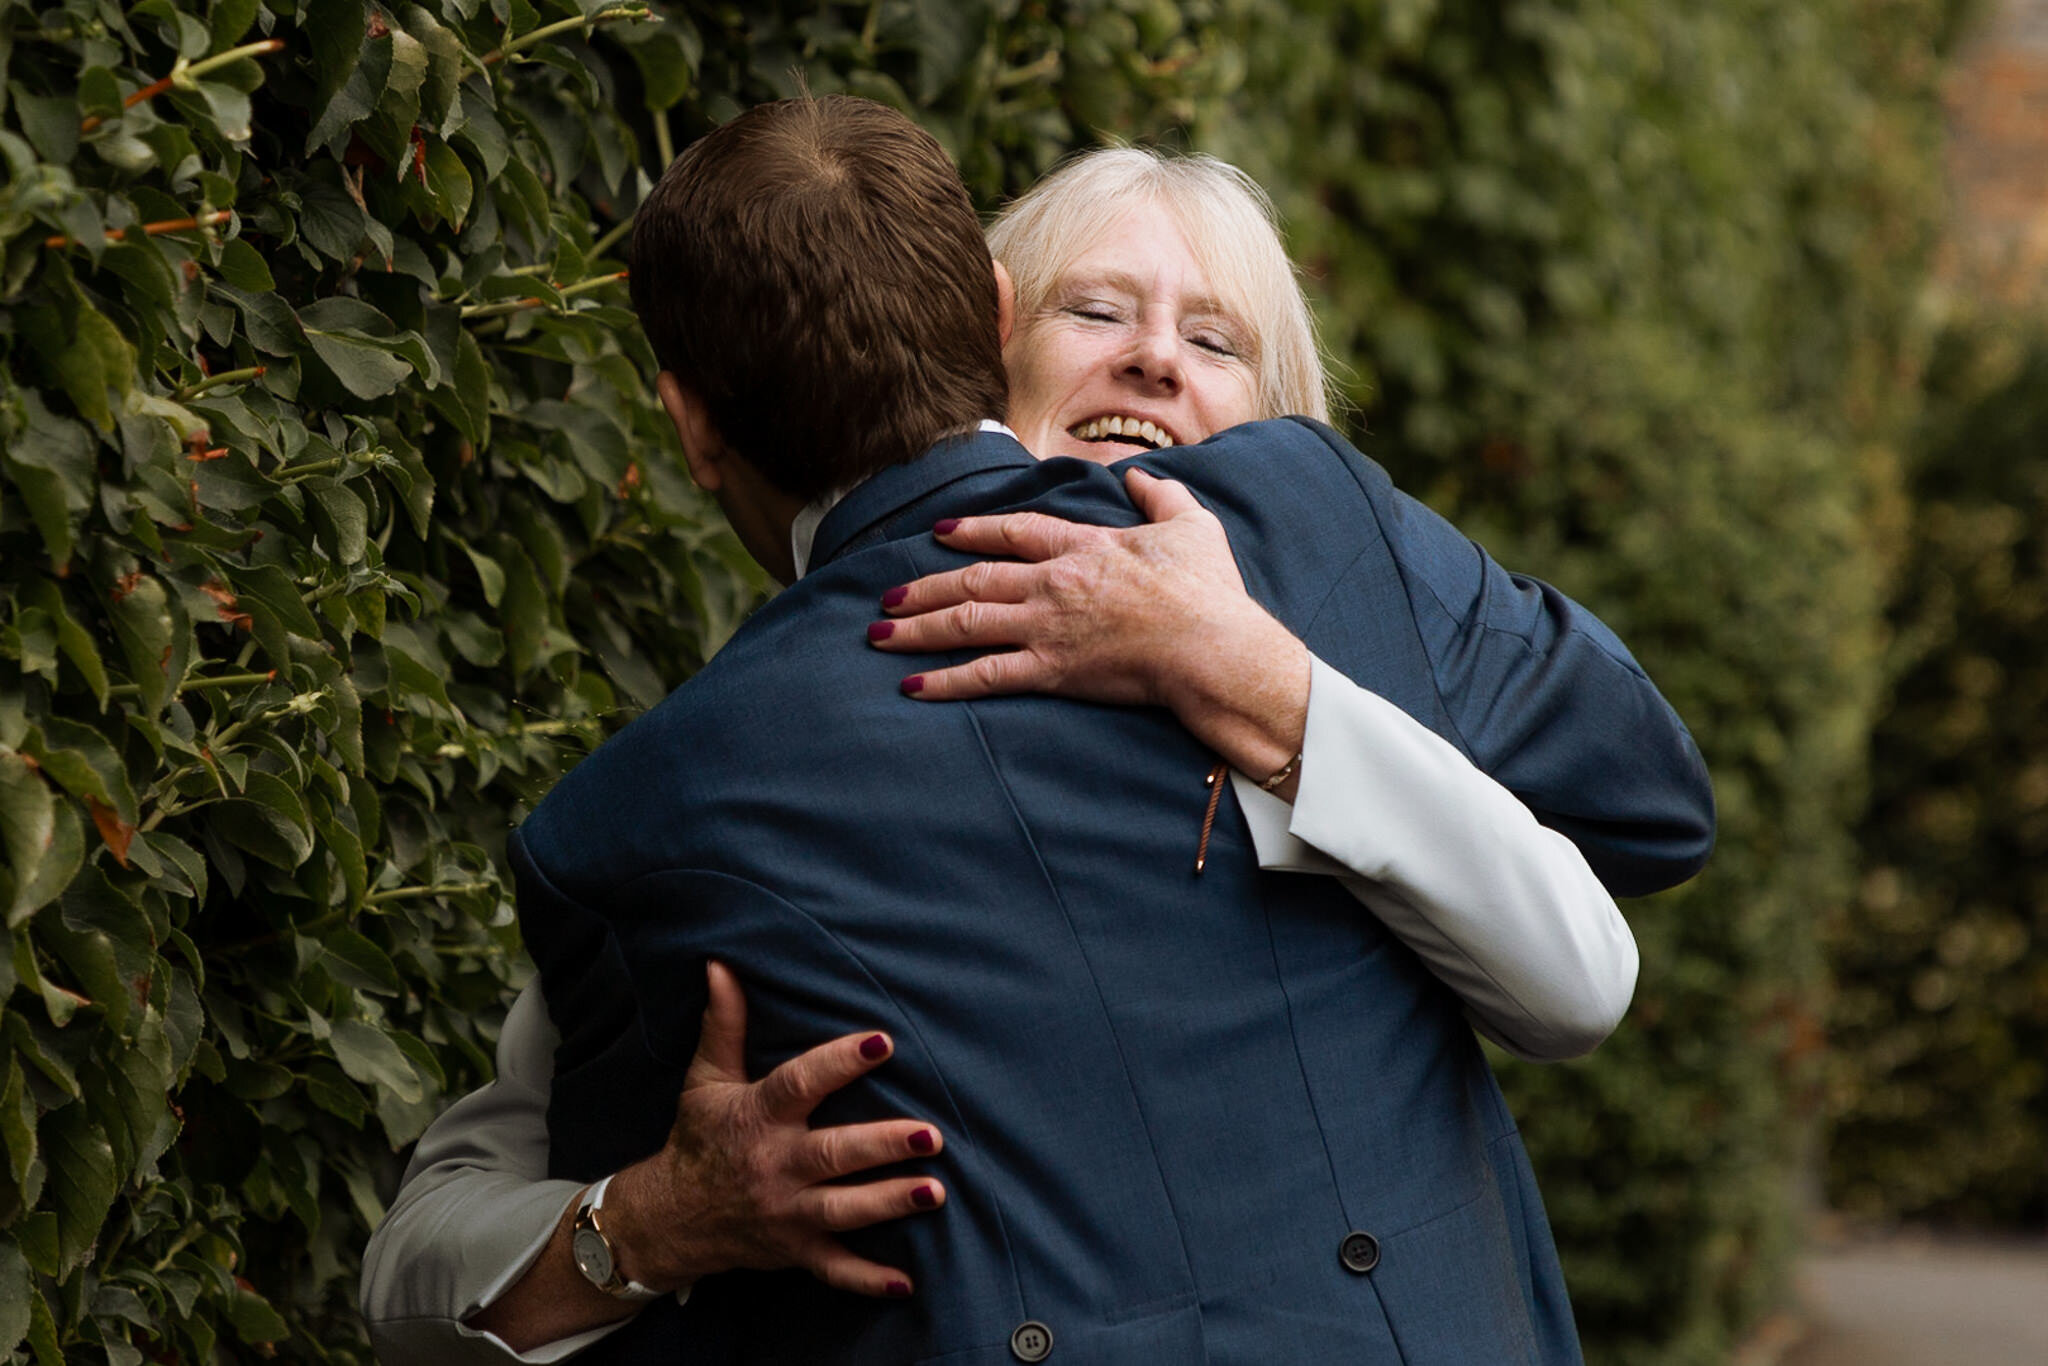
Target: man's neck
{"x": 803, "y": 527}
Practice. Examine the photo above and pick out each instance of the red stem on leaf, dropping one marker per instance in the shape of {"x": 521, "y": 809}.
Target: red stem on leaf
{"x": 156, "y": 229}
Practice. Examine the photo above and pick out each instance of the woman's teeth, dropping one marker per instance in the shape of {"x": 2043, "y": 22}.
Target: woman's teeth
{"x": 1129, "y": 428}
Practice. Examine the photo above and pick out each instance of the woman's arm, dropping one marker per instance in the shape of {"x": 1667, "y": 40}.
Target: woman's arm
{"x": 1505, "y": 911}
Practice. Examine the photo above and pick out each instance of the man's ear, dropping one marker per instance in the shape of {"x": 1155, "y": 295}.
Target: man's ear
{"x": 703, "y": 449}
{"x": 1006, "y": 305}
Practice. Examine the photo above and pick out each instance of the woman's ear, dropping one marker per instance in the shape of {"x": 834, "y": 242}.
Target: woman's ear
{"x": 703, "y": 449}
{"x": 1006, "y": 305}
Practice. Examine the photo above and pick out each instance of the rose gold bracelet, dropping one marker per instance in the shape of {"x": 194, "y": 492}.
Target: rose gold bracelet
{"x": 1283, "y": 775}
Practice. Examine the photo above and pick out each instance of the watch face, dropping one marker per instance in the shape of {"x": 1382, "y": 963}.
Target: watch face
{"x": 593, "y": 1256}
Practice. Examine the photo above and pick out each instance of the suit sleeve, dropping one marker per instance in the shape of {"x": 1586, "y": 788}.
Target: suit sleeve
{"x": 1547, "y": 700}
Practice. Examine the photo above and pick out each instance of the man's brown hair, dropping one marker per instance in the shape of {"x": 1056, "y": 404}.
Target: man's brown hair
{"x": 815, "y": 273}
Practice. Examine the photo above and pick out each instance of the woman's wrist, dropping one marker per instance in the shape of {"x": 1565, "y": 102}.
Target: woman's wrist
{"x": 1240, "y": 684}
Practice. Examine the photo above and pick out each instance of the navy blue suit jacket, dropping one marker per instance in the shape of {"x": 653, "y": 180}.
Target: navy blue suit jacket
{"x": 1168, "y": 1098}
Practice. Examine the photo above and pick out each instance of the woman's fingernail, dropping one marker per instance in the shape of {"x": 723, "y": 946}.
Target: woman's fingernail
{"x": 945, "y": 526}
{"x": 874, "y": 1046}
{"x": 924, "y": 1141}
{"x": 895, "y": 596}
{"x": 925, "y": 1197}
{"x": 913, "y": 684}
{"x": 881, "y": 630}
{"x": 899, "y": 1290}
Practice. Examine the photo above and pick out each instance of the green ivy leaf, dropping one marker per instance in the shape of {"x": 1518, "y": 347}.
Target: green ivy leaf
{"x": 74, "y": 640}
{"x": 342, "y": 519}
{"x": 42, "y": 1332}
{"x": 355, "y": 962}
{"x": 18, "y": 1122}
{"x": 242, "y": 266}
{"x": 448, "y": 183}
{"x": 228, "y": 21}
{"x": 331, "y": 221}
{"x": 83, "y": 1180}
{"x": 369, "y": 1056}
{"x": 229, "y": 108}
{"x": 272, "y": 327}
{"x": 154, "y": 632}
{"x": 83, "y": 762}
{"x": 50, "y": 462}
{"x": 440, "y": 107}
{"x": 268, "y": 820}
{"x": 254, "y": 1321}
{"x": 268, "y": 587}
{"x": 49, "y": 121}
{"x": 88, "y": 359}
{"x": 335, "y": 33}
{"x": 17, "y": 1288}
{"x": 327, "y": 1088}
{"x": 363, "y": 65}
{"x": 365, "y": 368}
{"x": 28, "y": 824}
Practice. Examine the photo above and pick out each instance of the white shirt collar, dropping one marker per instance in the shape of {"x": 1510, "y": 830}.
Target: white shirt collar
{"x": 804, "y": 530}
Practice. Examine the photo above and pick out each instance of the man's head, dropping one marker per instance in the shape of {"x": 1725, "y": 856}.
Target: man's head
{"x": 813, "y": 273}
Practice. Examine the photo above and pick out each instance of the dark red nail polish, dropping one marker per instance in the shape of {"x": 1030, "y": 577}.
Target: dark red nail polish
{"x": 895, "y": 596}
{"x": 913, "y": 684}
{"x": 881, "y": 630}
{"x": 925, "y": 1197}
{"x": 899, "y": 1290}
{"x": 924, "y": 1141}
{"x": 874, "y": 1046}
{"x": 945, "y": 526}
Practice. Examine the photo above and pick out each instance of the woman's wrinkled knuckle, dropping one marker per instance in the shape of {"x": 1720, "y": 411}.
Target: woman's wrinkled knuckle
{"x": 828, "y": 1151}
{"x": 1015, "y": 529}
{"x": 988, "y": 671}
{"x": 967, "y": 620}
{"x": 836, "y": 1210}
{"x": 978, "y": 578}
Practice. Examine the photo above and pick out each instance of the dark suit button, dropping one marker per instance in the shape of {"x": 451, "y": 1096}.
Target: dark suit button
{"x": 1359, "y": 1252}
{"x": 1031, "y": 1342}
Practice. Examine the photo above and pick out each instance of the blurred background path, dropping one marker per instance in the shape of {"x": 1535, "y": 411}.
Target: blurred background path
{"x": 1916, "y": 1301}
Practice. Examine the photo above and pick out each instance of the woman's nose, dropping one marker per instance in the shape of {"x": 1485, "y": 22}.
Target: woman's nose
{"x": 1154, "y": 358}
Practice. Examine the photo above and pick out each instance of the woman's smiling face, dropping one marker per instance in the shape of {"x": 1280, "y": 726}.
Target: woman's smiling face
{"x": 1130, "y": 350}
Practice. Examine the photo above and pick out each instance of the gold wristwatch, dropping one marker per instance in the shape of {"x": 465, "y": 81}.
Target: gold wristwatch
{"x": 594, "y": 1254}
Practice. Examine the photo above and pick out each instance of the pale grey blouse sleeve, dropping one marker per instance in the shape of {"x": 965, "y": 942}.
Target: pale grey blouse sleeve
{"x": 1506, "y": 912}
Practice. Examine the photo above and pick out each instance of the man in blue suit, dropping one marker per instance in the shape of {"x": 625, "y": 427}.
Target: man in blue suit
{"x": 1190, "y": 1116}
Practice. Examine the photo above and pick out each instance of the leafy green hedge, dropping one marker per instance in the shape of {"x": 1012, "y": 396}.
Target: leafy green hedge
{"x": 1939, "y": 1090}
{"x": 336, "y": 521}
{"x": 1628, "y": 291}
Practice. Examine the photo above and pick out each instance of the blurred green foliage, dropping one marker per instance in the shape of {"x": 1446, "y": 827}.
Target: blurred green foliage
{"x": 1939, "y": 1087}
{"x": 1628, "y": 290}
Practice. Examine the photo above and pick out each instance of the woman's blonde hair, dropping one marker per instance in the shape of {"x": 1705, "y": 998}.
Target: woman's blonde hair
{"x": 1230, "y": 225}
